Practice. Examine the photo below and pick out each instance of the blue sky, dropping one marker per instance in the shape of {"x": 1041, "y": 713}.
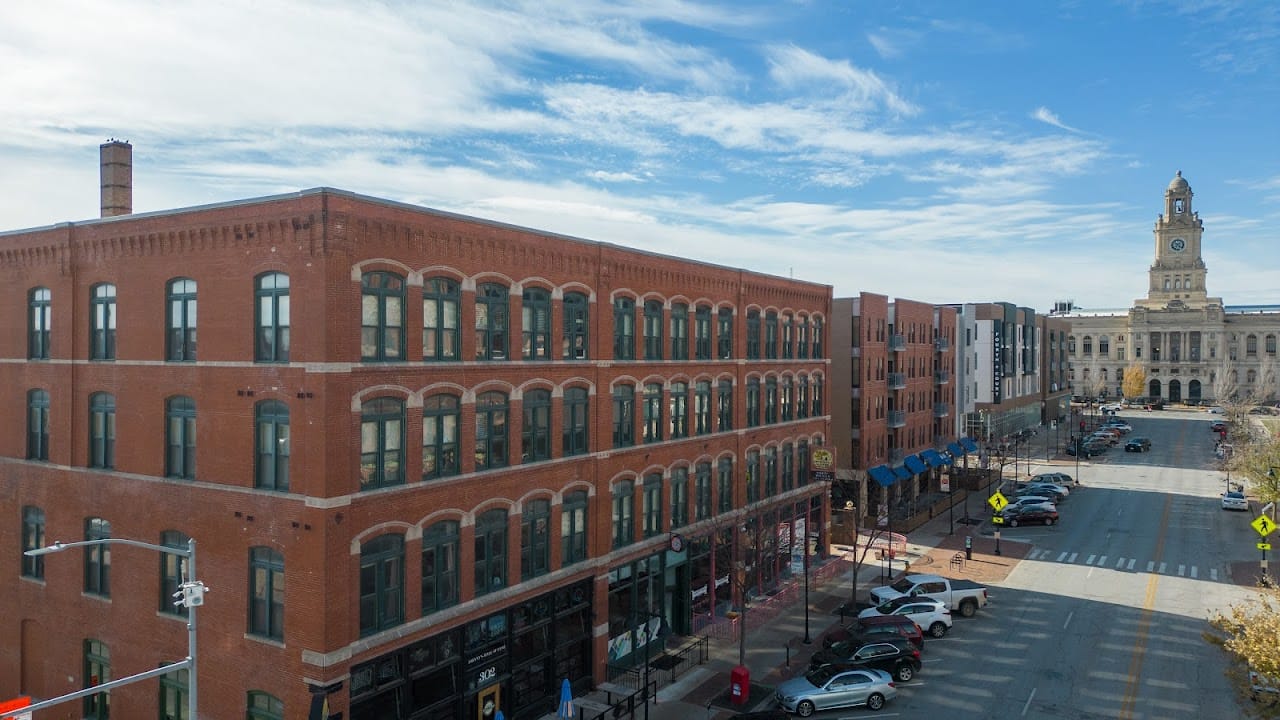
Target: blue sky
{"x": 937, "y": 151}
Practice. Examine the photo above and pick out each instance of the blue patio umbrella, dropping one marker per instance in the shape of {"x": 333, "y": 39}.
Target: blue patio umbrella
{"x": 499, "y": 716}
{"x": 566, "y": 701}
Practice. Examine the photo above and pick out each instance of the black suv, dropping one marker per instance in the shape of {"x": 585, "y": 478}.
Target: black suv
{"x": 876, "y": 628}
{"x": 1138, "y": 444}
{"x": 896, "y": 656}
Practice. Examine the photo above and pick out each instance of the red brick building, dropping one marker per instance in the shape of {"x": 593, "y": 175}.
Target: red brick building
{"x": 895, "y": 362}
{"x": 428, "y": 460}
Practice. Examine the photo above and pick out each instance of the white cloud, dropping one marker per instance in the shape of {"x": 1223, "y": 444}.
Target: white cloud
{"x": 1045, "y": 115}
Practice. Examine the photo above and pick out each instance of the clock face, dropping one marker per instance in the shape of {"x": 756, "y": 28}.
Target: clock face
{"x": 1177, "y": 245}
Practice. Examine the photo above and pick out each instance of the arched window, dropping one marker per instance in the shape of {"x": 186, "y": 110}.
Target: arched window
{"x": 39, "y": 323}
{"x": 271, "y": 336}
{"x": 653, "y": 330}
{"x": 702, "y": 332}
{"x": 679, "y": 331}
{"x": 381, "y": 443}
{"x": 702, "y": 407}
{"x": 1088, "y": 345}
{"x": 381, "y": 583}
{"x": 491, "y": 552}
{"x": 535, "y": 324}
{"x": 576, "y": 422}
{"x": 33, "y": 528}
{"x": 37, "y": 425}
{"x": 753, "y": 402}
{"x": 102, "y": 322}
{"x": 651, "y": 509}
{"x": 679, "y": 497}
{"x": 173, "y": 572}
{"x": 753, "y": 334}
{"x": 788, "y": 336}
{"x": 573, "y": 528}
{"x": 263, "y": 706}
{"x": 381, "y": 317}
{"x": 440, "y": 422}
{"x": 440, "y": 563}
{"x": 576, "y": 324}
{"x": 441, "y": 320}
{"x": 535, "y": 431}
{"x": 624, "y": 417}
{"x": 491, "y": 430}
{"x": 491, "y": 322}
{"x": 1251, "y": 345}
{"x": 535, "y": 539}
{"x": 180, "y": 437}
{"x": 624, "y": 520}
{"x": 771, "y": 335}
{"x": 724, "y": 333}
{"x": 653, "y": 413}
{"x": 802, "y": 338}
{"x": 678, "y": 410}
{"x": 272, "y": 422}
{"x": 181, "y": 339}
{"x": 624, "y": 329}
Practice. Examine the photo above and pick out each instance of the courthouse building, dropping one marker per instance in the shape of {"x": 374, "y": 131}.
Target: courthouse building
{"x": 432, "y": 464}
{"x": 1190, "y": 344}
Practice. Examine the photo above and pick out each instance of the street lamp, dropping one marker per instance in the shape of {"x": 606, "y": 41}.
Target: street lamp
{"x": 807, "y": 640}
{"x": 190, "y": 595}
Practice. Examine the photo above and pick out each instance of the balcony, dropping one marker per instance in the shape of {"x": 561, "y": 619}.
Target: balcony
{"x": 897, "y": 418}
{"x": 897, "y": 381}
{"x": 941, "y": 377}
{"x": 941, "y": 409}
{"x": 897, "y": 343}
{"x": 895, "y": 455}
{"x": 941, "y": 344}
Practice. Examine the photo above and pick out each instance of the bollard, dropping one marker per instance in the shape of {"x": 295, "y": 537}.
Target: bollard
{"x": 788, "y": 647}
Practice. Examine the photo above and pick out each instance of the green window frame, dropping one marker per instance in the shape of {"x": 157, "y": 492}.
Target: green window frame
{"x": 802, "y": 400}
{"x": 441, "y": 563}
{"x": 624, "y": 416}
{"x": 753, "y": 334}
{"x": 771, "y": 335}
{"x": 381, "y": 443}
{"x": 724, "y": 333}
{"x": 39, "y": 323}
{"x": 381, "y": 317}
{"x": 381, "y": 584}
{"x": 753, "y": 476}
{"x": 679, "y": 331}
{"x": 577, "y": 324}
{"x": 102, "y": 322}
{"x": 535, "y": 430}
{"x": 653, "y": 330}
{"x": 173, "y": 572}
{"x": 491, "y": 552}
{"x": 33, "y": 537}
{"x": 266, "y": 593}
{"x": 802, "y": 462}
{"x": 180, "y": 438}
{"x": 535, "y": 539}
{"x": 271, "y": 469}
{"x": 724, "y": 405}
{"x": 651, "y": 505}
{"x": 491, "y": 430}
{"x": 679, "y": 497}
{"x": 180, "y": 340}
{"x": 788, "y": 336}
{"x": 702, "y": 332}
{"x": 441, "y": 320}
{"x": 573, "y": 528}
{"x": 535, "y": 324}
{"x": 817, "y": 397}
{"x": 678, "y": 410}
{"x": 770, "y": 400}
{"x": 576, "y": 422}
{"x": 263, "y": 706}
{"x": 802, "y": 338}
{"x": 441, "y": 418}
{"x": 770, "y": 471}
{"x": 788, "y": 467}
{"x": 492, "y": 322}
{"x": 624, "y": 519}
{"x": 271, "y": 336}
{"x": 786, "y": 399}
{"x": 97, "y": 558}
{"x": 724, "y": 485}
{"x": 624, "y": 329}
{"x": 753, "y": 402}
{"x": 652, "y": 413}
{"x": 174, "y": 687}
{"x": 97, "y": 671}
{"x": 102, "y": 431}
{"x": 702, "y": 491}
{"x": 702, "y": 407}
{"x": 817, "y": 339}
{"x": 38, "y": 425}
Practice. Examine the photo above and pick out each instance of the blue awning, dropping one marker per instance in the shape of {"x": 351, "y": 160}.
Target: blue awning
{"x": 882, "y": 475}
{"x": 935, "y": 458}
{"x": 902, "y": 473}
{"x": 969, "y": 444}
{"x": 914, "y": 464}
{"x": 955, "y": 449}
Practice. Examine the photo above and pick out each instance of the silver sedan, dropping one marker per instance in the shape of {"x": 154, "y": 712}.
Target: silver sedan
{"x": 825, "y": 688}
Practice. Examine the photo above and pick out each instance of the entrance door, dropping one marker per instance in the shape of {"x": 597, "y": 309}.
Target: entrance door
{"x": 488, "y": 702}
{"x": 1153, "y": 390}
{"x": 1175, "y": 391}
{"x": 1193, "y": 391}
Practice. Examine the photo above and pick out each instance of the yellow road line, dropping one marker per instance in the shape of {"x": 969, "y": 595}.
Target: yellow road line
{"x": 1144, "y": 623}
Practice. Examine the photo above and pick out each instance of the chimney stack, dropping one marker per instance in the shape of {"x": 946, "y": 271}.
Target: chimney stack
{"x": 116, "y": 171}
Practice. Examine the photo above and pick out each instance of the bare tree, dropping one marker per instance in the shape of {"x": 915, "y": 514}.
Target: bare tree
{"x": 753, "y": 539}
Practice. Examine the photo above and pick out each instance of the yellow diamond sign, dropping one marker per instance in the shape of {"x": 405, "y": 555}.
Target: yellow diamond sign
{"x": 1263, "y": 525}
{"x": 1000, "y": 502}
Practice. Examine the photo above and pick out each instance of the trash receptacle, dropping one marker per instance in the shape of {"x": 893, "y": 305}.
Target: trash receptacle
{"x": 739, "y": 685}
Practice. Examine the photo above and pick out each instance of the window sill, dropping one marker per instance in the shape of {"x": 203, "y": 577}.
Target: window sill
{"x": 264, "y": 640}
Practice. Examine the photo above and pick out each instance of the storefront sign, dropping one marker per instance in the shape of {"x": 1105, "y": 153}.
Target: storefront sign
{"x": 822, "y": 465}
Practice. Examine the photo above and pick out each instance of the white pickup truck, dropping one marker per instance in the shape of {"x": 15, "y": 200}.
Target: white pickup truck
{"x": 962, "y": 596}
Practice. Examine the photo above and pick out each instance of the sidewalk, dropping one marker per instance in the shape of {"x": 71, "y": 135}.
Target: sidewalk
{"x": 777, "y": 651}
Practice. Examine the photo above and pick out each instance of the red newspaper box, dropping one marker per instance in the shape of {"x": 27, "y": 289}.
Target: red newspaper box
{"x": 739, "y": 685}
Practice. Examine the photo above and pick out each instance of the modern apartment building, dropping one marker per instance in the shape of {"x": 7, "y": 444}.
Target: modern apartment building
{"x": 432, "y": 463}
{"x": 893, "y": 366}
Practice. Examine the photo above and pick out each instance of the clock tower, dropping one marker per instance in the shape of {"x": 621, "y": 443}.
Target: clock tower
{"x": 1177, "y": 277}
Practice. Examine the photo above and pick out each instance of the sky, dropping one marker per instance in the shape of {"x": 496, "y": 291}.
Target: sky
{"x": 941, "y": 151}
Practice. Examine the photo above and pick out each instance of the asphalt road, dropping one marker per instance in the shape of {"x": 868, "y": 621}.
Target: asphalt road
{"x": 1105, "y": 617}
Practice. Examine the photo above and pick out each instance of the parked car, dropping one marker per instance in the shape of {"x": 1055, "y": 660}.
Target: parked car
{"x": 1234, "y": 500}
{"x": 964, "y": 596}
{"x": 1085, "y": 450}
{"x": 1216, "y": 410}
{"x": 1022, "y": 500}
{"x": 827, "y": 688}
{"x": 1138, "y": 444}
{"x": 1124, "y": 427}
{"x": 897, "y": 656}
{"x": 1218, "y": 426}
{"x": 1027, "y": 514}
{"x": 932, "y": 616}
{"x": 1056, "y": 492}
{"x": 871, "y": 628}
{"x": 1057, "y": 478}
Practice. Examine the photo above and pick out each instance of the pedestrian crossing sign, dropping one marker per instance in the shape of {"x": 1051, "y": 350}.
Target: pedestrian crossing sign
{"x": 1263, "y": 525}
{"x": 998, "y": 501}
{"x": 1264, "y": 546}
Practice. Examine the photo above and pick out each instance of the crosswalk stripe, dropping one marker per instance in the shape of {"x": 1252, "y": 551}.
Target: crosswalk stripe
{"x": 1162, "y": 567}
{"x": 1102, "y": 561}
{"x": 1194, "y": 570}
{"x": 1151, "y": 565}
{"x": 1119, "y": 563}
{"x": 1090, "y": 560}
{"x": 1182, "y": 570}
{"x": 1072, "y": 559}
{"x": 1062, "y": 557}
{"x": 1213, "y": 574}
{"x": 1131, "y": 562}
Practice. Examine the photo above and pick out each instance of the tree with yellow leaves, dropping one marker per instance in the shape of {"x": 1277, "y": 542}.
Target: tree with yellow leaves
{"x": 1135, "y": 381}
{"x": 1248, "y": 631}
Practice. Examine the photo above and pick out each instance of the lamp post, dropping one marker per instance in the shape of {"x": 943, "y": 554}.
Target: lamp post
{"x": 190, "y": 596}
{"x": 807, "y": 639}
{"x": 649, "y": 637}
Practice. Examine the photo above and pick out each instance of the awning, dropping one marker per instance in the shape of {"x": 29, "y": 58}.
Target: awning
{"x": 902, "y": 473}
{"x": 882, "y": 475}
{"x": 914, "y": 464}
{"x": 969, "y": 444}
{"x": 955, "y": 449}
{"x": 935, "y": 458}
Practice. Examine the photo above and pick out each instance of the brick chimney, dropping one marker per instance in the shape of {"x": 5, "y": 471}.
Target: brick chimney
{"x": 116, "y": 171}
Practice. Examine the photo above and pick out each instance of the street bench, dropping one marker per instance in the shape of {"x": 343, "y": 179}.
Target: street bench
{"x": 610, "y": 689}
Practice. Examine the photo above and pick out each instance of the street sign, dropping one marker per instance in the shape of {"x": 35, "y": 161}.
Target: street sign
{"x": 1264, "y": 546}
{"x": 1000, "y": 502}
{"x": 10, "y": 708}
{"x": 997, "y": 519}
{"x": 1263, "y": 525}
